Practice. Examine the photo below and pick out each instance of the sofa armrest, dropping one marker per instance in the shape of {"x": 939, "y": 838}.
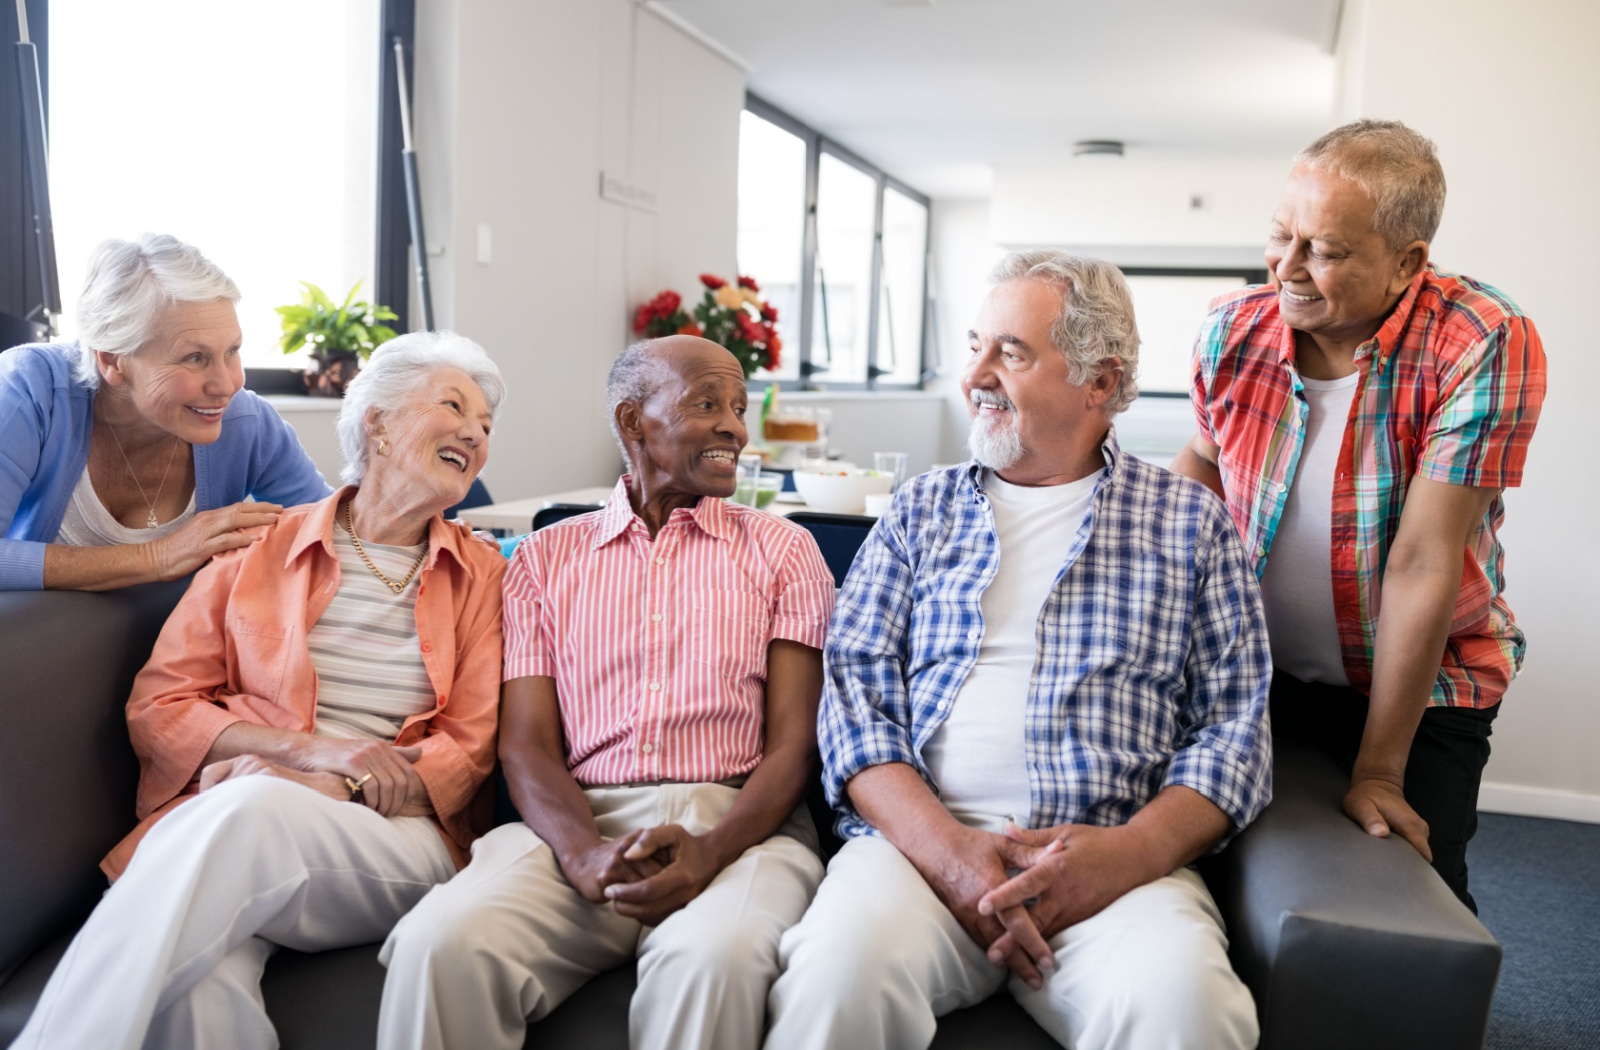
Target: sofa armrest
{"x": 67, "y": 771}
{"x": 1344, "y": 939}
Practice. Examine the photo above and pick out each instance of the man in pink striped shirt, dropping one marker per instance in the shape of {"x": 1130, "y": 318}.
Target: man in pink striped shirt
{"x": 658, "y": 730}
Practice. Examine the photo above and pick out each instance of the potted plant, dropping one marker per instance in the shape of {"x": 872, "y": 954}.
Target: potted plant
{"x": 339, "y": 337}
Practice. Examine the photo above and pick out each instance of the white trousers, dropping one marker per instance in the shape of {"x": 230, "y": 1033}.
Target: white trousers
{"x": 172, "y": 956}
{"x": 879, "y": 957}
{"x": 507, "y": 940}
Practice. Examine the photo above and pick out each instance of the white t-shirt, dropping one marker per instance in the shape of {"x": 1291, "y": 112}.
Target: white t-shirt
{"x": 87, "y": 523}
{"x": 978, "y": 756}
{"x": 1297, "y": 588}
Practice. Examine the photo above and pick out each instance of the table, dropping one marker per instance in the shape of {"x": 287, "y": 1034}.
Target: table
{"x": 517, "y": 515}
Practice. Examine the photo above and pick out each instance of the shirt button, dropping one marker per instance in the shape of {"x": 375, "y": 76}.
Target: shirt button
{"x": 661, "y": 561}
{"x": 655, "y": 617}
{"x": 1283, "y": 486}
{"x": 648, "y": 748}
{"x": 942, "y": 704}
{"x": 655, "y": 687}
{"x": 972, "y": 636}
{"x": 1261, "y": 552}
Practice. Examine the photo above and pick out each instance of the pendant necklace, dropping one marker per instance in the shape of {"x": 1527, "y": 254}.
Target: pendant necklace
{"x": 149, "y": 522}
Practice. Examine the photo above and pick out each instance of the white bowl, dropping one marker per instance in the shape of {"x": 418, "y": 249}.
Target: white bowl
{"x": 841, "y": 492}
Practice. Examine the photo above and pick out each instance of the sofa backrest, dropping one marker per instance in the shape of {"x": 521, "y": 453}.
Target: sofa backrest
{"x": 67, "y": 771}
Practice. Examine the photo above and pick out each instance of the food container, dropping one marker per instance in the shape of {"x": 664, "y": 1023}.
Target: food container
{"x": 834, "y": 491}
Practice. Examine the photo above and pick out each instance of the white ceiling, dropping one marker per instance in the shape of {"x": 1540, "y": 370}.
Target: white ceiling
{"x": 938, "y": 92}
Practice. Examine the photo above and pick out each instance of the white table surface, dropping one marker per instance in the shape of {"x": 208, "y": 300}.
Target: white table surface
{"x": 517, "y": 515}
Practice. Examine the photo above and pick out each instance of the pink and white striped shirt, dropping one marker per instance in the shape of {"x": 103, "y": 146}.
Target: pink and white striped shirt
{"x": 659, "y": 649}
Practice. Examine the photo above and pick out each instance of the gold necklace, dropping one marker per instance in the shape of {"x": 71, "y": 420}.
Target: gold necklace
{"x": 149, "y": 522}
{"x": 350, "y": 526}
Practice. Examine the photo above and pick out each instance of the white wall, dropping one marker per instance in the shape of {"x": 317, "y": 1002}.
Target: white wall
{"x": 519, "y": 108}
{"x": 1509, "y": 91}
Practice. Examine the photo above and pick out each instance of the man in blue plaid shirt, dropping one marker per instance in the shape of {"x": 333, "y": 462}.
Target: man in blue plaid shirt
{"x": 1046, "y": 686}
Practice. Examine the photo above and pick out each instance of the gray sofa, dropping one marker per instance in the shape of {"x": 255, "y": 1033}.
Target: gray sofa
{"x": 1346, "y": 941}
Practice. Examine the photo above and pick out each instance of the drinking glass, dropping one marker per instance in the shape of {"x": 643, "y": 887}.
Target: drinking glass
{"x": 748, "y": 482}
{"x": 893, "y": 463}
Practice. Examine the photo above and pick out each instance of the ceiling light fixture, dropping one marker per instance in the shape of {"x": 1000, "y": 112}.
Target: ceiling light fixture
{"x": 1097, "y": 148}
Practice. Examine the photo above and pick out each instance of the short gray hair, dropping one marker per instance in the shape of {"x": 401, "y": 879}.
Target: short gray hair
{"x": 396, "y": 369}
{"x": 1096, "y": 323}
{"x": 129, "y": 283}
{"x": 1397, "y": 167}
{"x": 636, "y": 374}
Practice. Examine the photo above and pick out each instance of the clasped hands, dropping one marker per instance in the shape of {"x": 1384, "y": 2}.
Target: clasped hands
{"x": 389, "y": 782}
{"x": 646, "y": 874}
{"x": 1063, "y": 875}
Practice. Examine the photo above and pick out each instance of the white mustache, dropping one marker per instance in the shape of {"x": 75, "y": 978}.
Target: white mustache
{"x": 990, "y": 397}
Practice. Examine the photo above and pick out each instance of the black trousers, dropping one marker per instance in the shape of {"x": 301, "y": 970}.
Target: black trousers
{"x": 1442, "y": 775}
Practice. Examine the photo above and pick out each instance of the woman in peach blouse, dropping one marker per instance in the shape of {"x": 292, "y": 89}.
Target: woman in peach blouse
{"x": 312, "y": 728}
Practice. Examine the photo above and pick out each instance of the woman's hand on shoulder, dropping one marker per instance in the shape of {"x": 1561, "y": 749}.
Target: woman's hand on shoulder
{"x": 206, "y": 535}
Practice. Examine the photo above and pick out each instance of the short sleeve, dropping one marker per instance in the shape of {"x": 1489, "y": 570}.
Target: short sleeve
{"x": 1478, "y": 434}
{"x": 805, "y": 594}
{"x": 527, "y": 651}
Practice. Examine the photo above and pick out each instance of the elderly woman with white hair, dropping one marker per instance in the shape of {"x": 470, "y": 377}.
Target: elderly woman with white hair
{"x": 312, "y": 727}
{"x": 128, "y": 456}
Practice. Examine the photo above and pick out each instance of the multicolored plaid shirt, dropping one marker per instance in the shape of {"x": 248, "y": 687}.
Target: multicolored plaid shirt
{"x": 1152, "y": 666}
{"x": 1449, "y": 390}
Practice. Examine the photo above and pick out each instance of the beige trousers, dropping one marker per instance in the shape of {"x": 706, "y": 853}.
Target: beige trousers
{"x": 879, "y": 957}
{"x": 507, "y": 940}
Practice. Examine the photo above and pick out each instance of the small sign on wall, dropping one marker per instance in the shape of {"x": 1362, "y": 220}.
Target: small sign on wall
{"x": 621, "y": 191}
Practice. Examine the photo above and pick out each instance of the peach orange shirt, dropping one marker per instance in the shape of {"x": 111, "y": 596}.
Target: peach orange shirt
{"x": 235, "y": 650}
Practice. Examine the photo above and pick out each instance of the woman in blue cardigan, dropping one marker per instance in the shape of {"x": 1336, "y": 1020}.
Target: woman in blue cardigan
{"x": 128, "y": 456}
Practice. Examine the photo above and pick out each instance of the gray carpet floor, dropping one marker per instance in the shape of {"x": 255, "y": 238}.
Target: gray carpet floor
{"x": 1537, "y": 883}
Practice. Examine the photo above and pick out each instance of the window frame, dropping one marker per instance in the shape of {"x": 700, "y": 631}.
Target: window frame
{"x": 816, "y": 145}
{"x": 1253, "y": 275}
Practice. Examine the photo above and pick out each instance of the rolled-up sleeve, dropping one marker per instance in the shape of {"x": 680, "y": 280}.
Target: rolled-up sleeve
{"x": 865, "y": 716}
{"x": 1479, "y": 433}
{"x": 1226, "y": 754}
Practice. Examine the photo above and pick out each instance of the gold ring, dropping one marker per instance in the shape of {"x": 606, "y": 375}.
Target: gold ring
{"x": 363, "y": 780}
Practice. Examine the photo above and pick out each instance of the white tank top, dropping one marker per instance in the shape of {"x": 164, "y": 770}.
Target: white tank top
{"x": 87, "y": 523}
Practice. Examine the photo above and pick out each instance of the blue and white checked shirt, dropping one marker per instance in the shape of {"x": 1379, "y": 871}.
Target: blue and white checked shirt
{"x": 1153, "y": 664}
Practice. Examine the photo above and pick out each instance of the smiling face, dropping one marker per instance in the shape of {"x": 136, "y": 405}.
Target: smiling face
{"x": 434, "y": 443}
{"x": 686, "y": 436}
{"x": 182, "y": 378}
{"x": 1028, "y": 422}
{"x": 1337, "y": 278}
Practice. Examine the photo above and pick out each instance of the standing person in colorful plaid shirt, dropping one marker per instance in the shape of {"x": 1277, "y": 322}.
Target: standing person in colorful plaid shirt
{"x": 1045, "y": 695}
{"x": 657, "y": 730}
{"x": 1361, "y": 415}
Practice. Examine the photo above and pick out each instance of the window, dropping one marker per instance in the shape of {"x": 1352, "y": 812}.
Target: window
{"x": 1171, "y": 304}
{"x": 182, "y": 117}
{"x": 839, "y": 248}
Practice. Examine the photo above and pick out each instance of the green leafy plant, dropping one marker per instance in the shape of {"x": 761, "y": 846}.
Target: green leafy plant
{"x": 352, "y": 327}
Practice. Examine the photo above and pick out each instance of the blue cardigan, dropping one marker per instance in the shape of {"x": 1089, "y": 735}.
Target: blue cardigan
{"x": 45, "y": 419}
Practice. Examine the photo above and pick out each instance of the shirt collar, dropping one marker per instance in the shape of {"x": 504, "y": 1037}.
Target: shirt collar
{"x": 316, "y": 529}
{"x": 1109, "y": 448}
{"x": 709, "y": 513}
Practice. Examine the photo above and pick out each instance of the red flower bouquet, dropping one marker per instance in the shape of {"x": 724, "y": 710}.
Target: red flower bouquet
{"x": 733, "y": 315}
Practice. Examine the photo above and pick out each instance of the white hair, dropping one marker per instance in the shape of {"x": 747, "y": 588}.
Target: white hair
{"x": 129, "y": 284}
{"x": 396, "y": 369}
{"x": 1096, "y": 324}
